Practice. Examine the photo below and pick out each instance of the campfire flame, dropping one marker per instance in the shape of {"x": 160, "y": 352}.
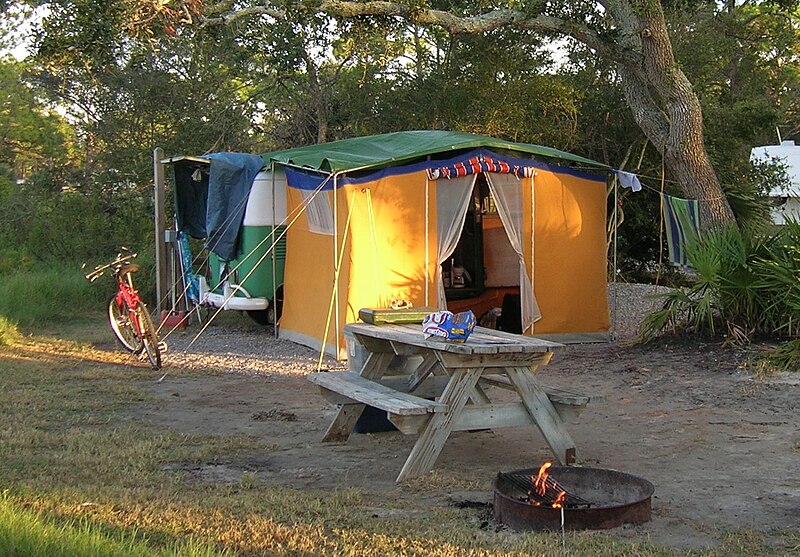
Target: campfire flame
{"x": 541, "y": 487}
{"x": 540, "y": 479}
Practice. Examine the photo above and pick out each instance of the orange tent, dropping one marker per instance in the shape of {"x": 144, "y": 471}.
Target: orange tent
{"x": 442, "y": 219}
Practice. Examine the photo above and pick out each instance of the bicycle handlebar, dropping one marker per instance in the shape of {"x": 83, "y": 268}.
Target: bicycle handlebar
{"x": 115, "y": 264}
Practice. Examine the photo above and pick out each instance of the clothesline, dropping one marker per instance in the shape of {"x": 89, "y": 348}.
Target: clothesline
{"x": 658, "y": 191}
{"x": 659, "y": 179}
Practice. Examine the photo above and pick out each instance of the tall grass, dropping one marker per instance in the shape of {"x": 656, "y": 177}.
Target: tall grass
{"x": 8, "y": 331}
{"x": 26, "y": 534}
{"x": 46, "y": 295}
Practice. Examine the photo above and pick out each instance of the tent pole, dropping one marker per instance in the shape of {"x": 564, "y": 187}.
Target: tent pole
{"x": 159, "y": 220}
{"x": 335, "y": 259}
{"x": 427, "y": 239}
{"x": 533, "y": 243}
{"x": 340, "y": 256}
{"x": 614, "y": 258}
{"x": 274, "y": 259}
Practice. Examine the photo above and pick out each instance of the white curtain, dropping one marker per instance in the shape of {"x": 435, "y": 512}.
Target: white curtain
{"x": 453, "y": 197}
{"x": 507, "y": 192}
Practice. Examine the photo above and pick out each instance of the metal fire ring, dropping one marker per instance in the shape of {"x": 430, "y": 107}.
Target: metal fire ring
{"x": 616, "y": 498}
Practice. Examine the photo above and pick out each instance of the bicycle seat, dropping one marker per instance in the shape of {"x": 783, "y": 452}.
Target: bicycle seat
{"x": 129, "y": 268}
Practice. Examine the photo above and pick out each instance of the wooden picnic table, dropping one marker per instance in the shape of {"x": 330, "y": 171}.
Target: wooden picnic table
{"x": 434, "y": 387}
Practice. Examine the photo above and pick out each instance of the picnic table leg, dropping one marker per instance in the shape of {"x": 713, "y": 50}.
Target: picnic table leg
{"x": 423, "y": 370}
{"x": 431, "y": 441}
{"x": 346, "y": 417}
{"x": 543, "y": 413}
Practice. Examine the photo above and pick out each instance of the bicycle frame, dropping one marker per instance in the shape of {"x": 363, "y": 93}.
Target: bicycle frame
{"x": 128, "y": 296}
{"x": 127, "y": 313}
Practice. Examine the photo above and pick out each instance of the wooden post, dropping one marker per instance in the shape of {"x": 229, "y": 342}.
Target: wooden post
{"x": 159, "y": 218}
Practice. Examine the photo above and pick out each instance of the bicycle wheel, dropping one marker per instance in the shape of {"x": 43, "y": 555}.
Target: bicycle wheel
{"x": 149, "y": 337}
{"x": 120, "y": 321}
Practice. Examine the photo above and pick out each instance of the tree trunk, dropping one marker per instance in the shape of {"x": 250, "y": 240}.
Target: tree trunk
{"x": 675, "y": 123}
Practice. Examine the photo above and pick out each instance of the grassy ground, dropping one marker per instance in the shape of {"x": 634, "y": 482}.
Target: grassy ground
{"x": 80, "y": 479}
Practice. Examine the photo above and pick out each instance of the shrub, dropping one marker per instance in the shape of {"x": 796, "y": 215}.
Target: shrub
{"x": 747, "y": 286}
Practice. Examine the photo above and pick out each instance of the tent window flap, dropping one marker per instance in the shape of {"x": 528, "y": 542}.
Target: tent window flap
{"x": 507, "y": 195}
{"x": 452, "y": 201}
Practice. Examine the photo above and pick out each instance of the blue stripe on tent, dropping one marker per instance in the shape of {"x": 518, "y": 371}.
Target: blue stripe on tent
{"x": 303, "y": 180}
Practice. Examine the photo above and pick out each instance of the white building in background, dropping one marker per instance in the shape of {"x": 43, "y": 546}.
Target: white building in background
{"x": 787, "y": 198}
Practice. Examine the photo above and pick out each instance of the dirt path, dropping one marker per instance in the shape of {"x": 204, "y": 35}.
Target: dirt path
{"x": 722, "y": 449}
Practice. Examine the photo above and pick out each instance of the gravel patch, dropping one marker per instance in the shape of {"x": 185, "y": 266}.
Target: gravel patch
{"x": 251, "y": 349}
{"x": 629, "y": 303}
{"x": 244, "y": 350}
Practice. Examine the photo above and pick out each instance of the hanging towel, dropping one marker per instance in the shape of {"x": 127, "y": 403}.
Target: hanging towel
{"x": 629, "y": 180}
{"x": 682, "y": 223}
{"x": 191, "y": 282}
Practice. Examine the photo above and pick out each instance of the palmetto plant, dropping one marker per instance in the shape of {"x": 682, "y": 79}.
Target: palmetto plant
{"x": 747, "y": 286}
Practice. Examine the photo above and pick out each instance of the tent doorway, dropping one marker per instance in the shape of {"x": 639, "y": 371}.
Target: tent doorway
{"x": 482, "y": 274}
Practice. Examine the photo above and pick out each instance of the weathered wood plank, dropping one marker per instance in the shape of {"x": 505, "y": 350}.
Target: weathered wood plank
{"x": 478, "y": 395}
{"x": 348, "y": 414}
{"x": 406, "y": 350}
{"x": 568, "y": 405}
{"x": 357, "y": 388}
{"x": 544, "y": 415}
{"x": 489, "y": 416}
{"x": 496, "y": 335}
{"x": 376, "y": 364}
{"x": 482, "y": 341}
{"x": 342, "y": 426}
{"x": 430, "y": 443}
{"x": 555, "y": 394}
{"x": 374, "y": 344}
{"x": 489, "y": 361}
{"x": 424, "y": 369}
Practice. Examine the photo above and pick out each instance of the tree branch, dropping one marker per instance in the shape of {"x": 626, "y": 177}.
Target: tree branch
{"x": 238, "y": 14}
{"x": 221, "y": 13}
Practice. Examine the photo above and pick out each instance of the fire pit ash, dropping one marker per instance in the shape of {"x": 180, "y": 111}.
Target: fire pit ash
{"x": 583, "y": 498}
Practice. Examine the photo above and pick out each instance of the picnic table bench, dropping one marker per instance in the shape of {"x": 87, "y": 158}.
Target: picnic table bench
{"x": 433, "y": 388}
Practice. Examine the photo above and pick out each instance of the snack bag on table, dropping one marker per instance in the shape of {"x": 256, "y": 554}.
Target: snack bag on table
{"x": 444, "y": 325}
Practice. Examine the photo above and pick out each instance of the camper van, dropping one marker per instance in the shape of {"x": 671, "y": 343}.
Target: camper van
{"x": 785, "y": 199}
{"x": 239, "y": 212}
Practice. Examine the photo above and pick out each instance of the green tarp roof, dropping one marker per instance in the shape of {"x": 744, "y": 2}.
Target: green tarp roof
{"x": 392, "y": 149}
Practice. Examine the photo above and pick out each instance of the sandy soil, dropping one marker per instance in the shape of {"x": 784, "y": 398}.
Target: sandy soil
{"x": 721, "y": 448}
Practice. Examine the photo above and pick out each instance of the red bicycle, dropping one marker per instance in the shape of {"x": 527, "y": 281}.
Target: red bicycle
{"x": 127, "y": 313}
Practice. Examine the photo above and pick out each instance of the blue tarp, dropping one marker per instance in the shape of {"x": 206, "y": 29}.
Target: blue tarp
{"x": 231, "y": 177}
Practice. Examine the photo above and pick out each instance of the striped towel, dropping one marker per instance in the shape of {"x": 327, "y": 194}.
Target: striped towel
{"x": 191, "y": 280}
{"x": 682, "y": 223}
